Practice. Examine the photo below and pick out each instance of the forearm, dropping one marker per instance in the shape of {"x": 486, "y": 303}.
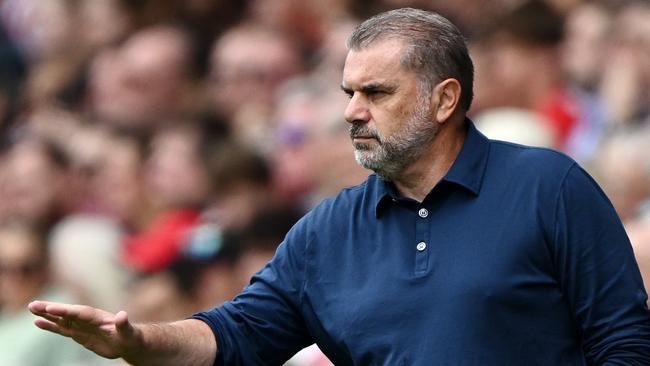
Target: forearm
{"x": 186, "y": 342}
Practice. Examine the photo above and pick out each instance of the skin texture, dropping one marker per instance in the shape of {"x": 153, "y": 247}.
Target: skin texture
{"x": 387, "y": 153}
{"x": 186, "y": 342}
{"x": 386, "y": 101}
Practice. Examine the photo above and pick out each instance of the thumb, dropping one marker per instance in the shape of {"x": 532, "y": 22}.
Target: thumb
{"x": 127, "y": 333}
{"x": 122, "y": 324}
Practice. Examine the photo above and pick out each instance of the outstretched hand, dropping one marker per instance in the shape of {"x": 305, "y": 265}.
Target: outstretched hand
{"x": 107, "y": 334}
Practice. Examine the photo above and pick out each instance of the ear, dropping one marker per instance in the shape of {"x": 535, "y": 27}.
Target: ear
{"x": 445, "y": 98}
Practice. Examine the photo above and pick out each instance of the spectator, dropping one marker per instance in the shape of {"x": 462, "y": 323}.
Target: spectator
{"x": 626, "y": 78}
{"x": 259, "y": 240}
{"x": 243, "y": 84}
{"x": 584, "y": 54}
{"x": 12, "y": 74}
{"x": 115, "y": 184}
{"x": 623, "y": 168}
{"x": 176, "y": 184}
{"x": 85, "y": 260}
{"x": 310, "y": 136}
{"x": 240, "y": 185}
{"x": 521, "y": 48}
{"x": 175, "y": 175}
{"x": 24, "y": 275}
{"x": 147, "y": 80}
{"x": 30, "y": 163}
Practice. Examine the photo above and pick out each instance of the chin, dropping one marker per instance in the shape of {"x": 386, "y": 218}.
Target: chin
{"x": 366, "y": 161}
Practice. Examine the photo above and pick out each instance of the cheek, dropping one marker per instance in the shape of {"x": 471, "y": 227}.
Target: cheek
{"x": 381, "y": 124}
{"x": 391, "y": 118}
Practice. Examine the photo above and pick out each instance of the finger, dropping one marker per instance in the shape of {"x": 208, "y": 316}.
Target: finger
{"x": 50, "y": 327}
{"x": 121, "y": 319}
{"x": 81, "y": 314}
{"x": 38, "y": 307}
{"x": 62, "y": 322}
{"x": 59, "y": 309}
{"x": 122, "y": 323}
{"x": 52, "y": 318}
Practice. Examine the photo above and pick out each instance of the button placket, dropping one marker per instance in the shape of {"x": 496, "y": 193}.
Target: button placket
{"x": 422, "y": 231}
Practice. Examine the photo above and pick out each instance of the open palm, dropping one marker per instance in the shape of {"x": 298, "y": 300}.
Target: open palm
{"x": 107, "y": 334}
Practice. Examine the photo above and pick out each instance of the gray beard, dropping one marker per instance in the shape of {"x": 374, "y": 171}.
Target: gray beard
{"x": 390, "y": 156}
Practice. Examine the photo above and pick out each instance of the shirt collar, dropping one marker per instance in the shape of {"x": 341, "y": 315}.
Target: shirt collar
{"x": 467, "y": 170}
{"x": 469, "y": 167}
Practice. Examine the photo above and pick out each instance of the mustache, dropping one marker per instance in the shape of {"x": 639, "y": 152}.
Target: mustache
{"x": 359, "y": 129}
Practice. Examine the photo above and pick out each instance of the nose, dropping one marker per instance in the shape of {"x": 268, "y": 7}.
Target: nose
{"x": 357, "y": 110}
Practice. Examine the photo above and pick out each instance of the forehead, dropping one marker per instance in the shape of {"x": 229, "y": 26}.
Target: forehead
{"x": 379, "y": 62}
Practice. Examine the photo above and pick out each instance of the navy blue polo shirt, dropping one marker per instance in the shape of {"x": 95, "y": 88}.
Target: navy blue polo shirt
{"x": 515, "y": 258}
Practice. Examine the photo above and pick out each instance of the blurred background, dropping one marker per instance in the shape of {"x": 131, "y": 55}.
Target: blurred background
{"x": 154, "y": 153}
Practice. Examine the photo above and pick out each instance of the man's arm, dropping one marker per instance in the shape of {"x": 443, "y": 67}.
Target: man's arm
{"x": 599, "y": 275}
{"x": 186, "y": 342}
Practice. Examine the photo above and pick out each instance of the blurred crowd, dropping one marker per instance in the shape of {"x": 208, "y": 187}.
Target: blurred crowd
{"x": 154, "y": 153}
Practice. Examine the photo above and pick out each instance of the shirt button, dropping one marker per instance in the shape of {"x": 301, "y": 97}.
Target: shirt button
{"x": 421, "y": 246}
{"x": 423, "y": 213}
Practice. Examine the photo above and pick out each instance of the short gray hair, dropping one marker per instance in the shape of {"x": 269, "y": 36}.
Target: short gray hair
{"x": 436, "y": 49}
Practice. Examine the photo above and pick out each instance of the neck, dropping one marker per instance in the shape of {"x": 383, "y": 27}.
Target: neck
{"x": 419, "y": 178}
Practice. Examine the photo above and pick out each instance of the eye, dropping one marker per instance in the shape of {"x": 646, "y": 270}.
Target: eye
{"x": 376, "y": 94}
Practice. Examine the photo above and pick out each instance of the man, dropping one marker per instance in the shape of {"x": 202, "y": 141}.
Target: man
{"x": 460, "y": 251}
{"x": 146, "y": 81}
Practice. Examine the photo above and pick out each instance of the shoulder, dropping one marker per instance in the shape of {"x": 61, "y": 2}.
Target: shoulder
{"x": 528, "y": 161}
{"x": 534, "y": 157}
{"x": 539, "y": 174}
